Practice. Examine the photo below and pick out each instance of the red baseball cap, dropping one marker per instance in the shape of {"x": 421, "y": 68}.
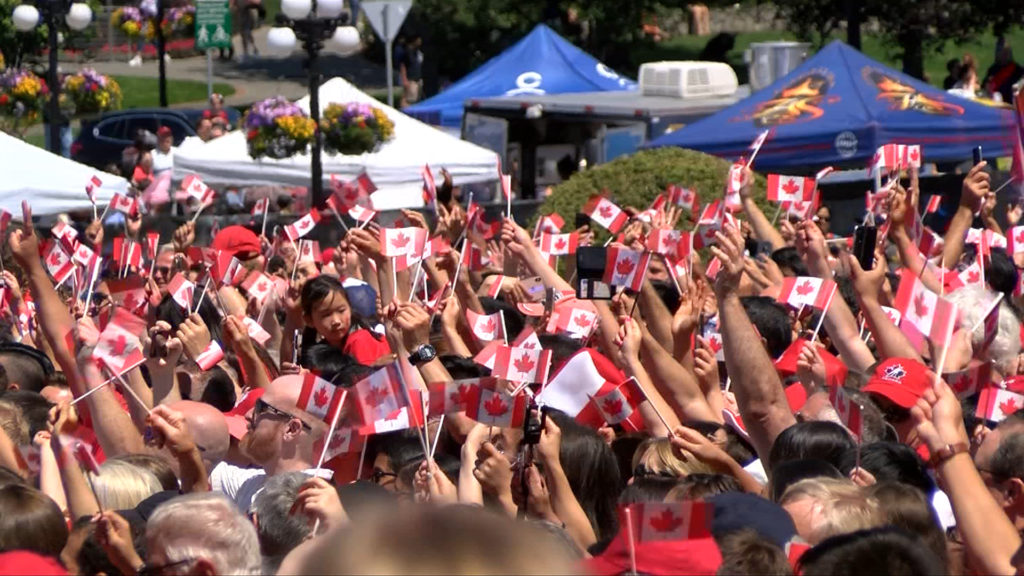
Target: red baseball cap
{"x": 164, "y": 131}
{"x": 238, "y": 427}
{"x": 835, "y": 370}
{"x": 697, "y": 556}
{"x": 900, "y": 380}
{"x": 236, "y": 239}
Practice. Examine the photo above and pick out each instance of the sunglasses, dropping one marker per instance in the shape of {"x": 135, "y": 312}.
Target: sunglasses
{"x": 380, "y": 475}
{"x": 148, "y": 570}
{"x": 262, "y": 408}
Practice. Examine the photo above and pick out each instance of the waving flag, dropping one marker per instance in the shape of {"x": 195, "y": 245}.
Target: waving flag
{"x": 449, "y": 397}
{"x": 344, "y": 441}
{"x": 573, "y": 318}
{"x": 925, "y": 314}
{"x": 182, "y": 291}
{"x": 302, "y": 226}
{"x": 195, "y": 188}
{"x": 59, "y": 264}
{"x": 379, "y": 396}
{"x": 258, "y": 286}
{"x": 521, "y": 364}
{"x": 807, "y": 291}
{"x": 489, "y": 404}
{"x": 429, "y": 187}
{"x": 402, "y": 241}
{"x": 849, "y": 411}
{"x": 606, "y": 213}
{"x": 90, "y": 188}
{"x": 670, "y": 521}
{"x": 66, "y": 235}
{"x": 550, "y": 224}
{"x": 674, "y": 244}
{"x": 625, "y": 267}
{"x": 319, "y": 397}
{"x": 485, "y": 327}
{"x": 119, "y": 347}
{"x": 124, "y": 204}
{"x": 619, "y": 403}
{"x": 261, "y": 207}
{"x": 790, "y": 188}
{"x": 966, "y": 383}
{"x": 685, "y": 198}
{"x": 559, "y": 244}
{"x": 996, "y": 403}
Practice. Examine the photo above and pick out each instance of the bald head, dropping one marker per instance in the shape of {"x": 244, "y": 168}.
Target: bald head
{"x": 283, "y": 393}
{"x": 209, "y": 429}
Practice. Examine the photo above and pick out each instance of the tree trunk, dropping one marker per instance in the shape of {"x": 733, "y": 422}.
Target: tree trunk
{"x": 853, "y": 17}
{"x": 912, "y": 42}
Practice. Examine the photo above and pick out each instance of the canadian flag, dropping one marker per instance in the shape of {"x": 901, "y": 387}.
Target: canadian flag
{"x": 801, "y": 210}
{"x": 302, "y": 226}
{"x": 473, "y": 257}
{"x": 710, "y": 221}
{"x": 83, "y": 255}
{"x": 485, "y": 327}
{"x": 320, "y": 398}
{"x": 790, "y": 188}
{"x": 573, "y": 319}
{"x": 82, "y": 454}
{"x": 66, "y": 235}
{"x": 349, "y": 194}
{"x": 119, "y": 347}
{"x": 343, "y": 441}
{"x": 361, "y": 213}
{"x": 261, "y": 207}
{"x": 195, "y": 188}
{"x": 925, "y": 314}
{"x": 429, "y": 187}
{"x": 58, "y": 263}
{"x": 1015, "y": 242}
{"x": 713, "y": 268}
{"x": 893, "y": 314}
{"x": 930, "y": 243}
{"x": 449, "y": 397}
{"x": 129, "y": 292}
{"x": 912, "y": 156}
{"x": 521, "y": 364}
{"x": 675, "y": 244}
{"x": 365, "y": 184}
{"x": 887, "y": 156}
{"x": 258, "y": 286}
{"x": 309, "y": 251}
{"x": 182, "y": 291}
{"x": 991, "y": 323}
{"x": 755, "y": 146}
{"x": 406, "y": 417}
{"x": 402, "y": 241}
{"x": 661, "y": 521}
{"x": 996, "y": 403}
{"x": 550, "y": 224}
{"x": 966, "y": 383}
{"x": 585, "y": 374}
{"x": 255, "y": 331}
{"x": 379, "y": 396}
{"x": 849, "y": 411}
{"x": 934, "y": 203}
{"x": 209, "y": 357}
{"x": 606, "y": 213}
{"x": 734, "y": 181}
{"x": 559, "y": 244}
{"x": 714, "y": 344}
{"x": 971, "y": 275}
{"x": 489, "y": 404}
{"x": 624, "y": 267}
{"x": 5, "y": 221}
{"x": 124, "y": 204}
{"x": 90, "y": 188}
{"x": 506, "y": 184}
{"x": 152, "y": 244}
{"x": 228, "y": 270}
{"x": 126, "y": 253}
{"x": 619, "y": 403}
{"x": 683, "y": 197}
{"x": 803, "y": 291}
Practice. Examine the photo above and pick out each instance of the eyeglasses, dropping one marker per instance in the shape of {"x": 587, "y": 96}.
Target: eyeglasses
{"x": 642, "y": 471}
{"x": 261, "y": 408}
{"x": 148, "y": 570}
{"x": 379, "y": 475}
{"x": 164, "y": 270}
{"x": 892, "y": 413}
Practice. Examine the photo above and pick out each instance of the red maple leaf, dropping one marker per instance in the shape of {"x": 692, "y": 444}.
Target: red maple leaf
{"x": 303, "y": 224}
{"x": 624, "y": 267}
{"x": 1008, "y": 406}
{"x": 919, "y": 306}
{"x": 459, "y": 396}
{"x": 306, "y": 250}
{"x": 875, "y": 159}
{"x": 612, "y": 407}
{"x": 528, "y": 345}
{"x": 790, "y": 187}
{"x": 669, "y": 240}
{"x": 805, "y": 288}
{"x": 560, "y": 243}
{"x": 82, "y": 254}
{"x": 54, "y": 259}
{"x": 714, "y": 344}
{"x": 605, "y": 211}
{"x": 914, "y": 155}
{"x": 582, "y": 320}
{"x": 400, "y": 241}
{"x": 1019, "y": 239}
{"x": 666, "y": 521}
{"x": 489, "y": 326}
{"x": 119, "y": 346}
{"x": 974, "y": 276}
{"x": 495, "y": 407}
{"x": 262, "y": 286}
{"x": 376, "y": 396}
{"x": 320, "y": 397}
{"x": 524, "y": 363}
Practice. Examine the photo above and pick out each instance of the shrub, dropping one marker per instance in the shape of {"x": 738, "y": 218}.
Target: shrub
{"x": 637, "y": 179}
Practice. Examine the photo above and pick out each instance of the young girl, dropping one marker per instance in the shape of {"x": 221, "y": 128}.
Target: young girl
{"x": 328, "y": 315}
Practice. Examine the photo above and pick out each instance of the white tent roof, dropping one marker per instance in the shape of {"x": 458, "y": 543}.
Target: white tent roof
{"x": 52, "y": 184}
{"x": 395, "y": 168}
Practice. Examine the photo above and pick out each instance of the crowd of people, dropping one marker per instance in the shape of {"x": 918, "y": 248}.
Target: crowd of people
{"x": 434, "y": 395}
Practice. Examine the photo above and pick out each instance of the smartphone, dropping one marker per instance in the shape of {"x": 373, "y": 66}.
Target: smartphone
{"x": 534, "y": 288}
{"x": 864, "y": 239}
{"x": 977, "y": 155}
{"x": 582, "y": 220}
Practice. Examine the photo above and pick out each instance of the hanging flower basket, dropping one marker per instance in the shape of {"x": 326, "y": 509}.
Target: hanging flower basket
{"x": 355, "y": 128}
{"x": 22, "y": 99}
{"x": 89, "y": 92}
{"x": 276, "y": 128}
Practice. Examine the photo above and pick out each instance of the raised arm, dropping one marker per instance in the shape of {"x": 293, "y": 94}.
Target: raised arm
{"x": 629, "y": 339}
{"x": 756, "y": 384}
{"x": 763, "y": 228}
{"x": 976, "y": 186}
{"x": 889, "y": 340}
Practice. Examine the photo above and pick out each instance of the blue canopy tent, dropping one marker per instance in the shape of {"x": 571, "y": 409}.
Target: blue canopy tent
{"x": 541, "y": 63}
{"x": 837, "y": 108}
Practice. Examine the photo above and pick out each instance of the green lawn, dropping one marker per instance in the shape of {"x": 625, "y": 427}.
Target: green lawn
{"x": 982, "y": 48}
{"x": 144, "y": 91}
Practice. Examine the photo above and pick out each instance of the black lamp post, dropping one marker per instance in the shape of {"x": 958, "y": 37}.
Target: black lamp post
{"x": 314, "y": 24}
{"x": 26, "y": 17}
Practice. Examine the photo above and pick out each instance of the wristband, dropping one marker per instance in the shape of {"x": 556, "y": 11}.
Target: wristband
{"x": 947, "y": 452}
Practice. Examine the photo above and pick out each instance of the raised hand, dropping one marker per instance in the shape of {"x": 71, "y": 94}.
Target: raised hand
{"x": 976, "y": 186}
{"x": 194, "y": 336}
{"x": 184, "y": 236}
{"x": 729, "y": 251}
{"x": 24, "y": 243}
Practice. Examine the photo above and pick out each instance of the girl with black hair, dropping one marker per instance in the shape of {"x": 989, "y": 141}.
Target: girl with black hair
{"x": 328, "y": 316}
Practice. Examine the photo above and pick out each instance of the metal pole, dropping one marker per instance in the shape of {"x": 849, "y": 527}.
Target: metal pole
{"x": 387, "y": 57}
{"x": 209, "y": 74}
{"x": 317, "y": 170}
{"x": 110, "y": 32}
{"x": 50, "y": 14}
{"x": 161, "y": 51}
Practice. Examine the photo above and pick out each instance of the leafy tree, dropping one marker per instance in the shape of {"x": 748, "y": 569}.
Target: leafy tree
{"x": 13, "y": 44}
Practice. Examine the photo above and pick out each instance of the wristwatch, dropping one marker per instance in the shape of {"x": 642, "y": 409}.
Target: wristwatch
{"x": 422, "y": 355}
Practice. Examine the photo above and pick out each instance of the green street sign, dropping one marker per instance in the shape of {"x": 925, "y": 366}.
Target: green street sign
{"x": 213, "y": 24}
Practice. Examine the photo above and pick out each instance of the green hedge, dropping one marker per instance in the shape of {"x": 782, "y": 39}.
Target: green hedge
{"x": 637, "y": 179}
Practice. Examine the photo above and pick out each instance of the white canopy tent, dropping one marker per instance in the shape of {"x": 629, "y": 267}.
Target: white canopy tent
{"x": 395, "y": 168}
{"x": 52, "y": 184}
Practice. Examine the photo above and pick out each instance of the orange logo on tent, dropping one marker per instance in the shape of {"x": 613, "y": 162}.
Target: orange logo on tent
{"x": 901, "y": 96}
{"x": 799, "y": 101}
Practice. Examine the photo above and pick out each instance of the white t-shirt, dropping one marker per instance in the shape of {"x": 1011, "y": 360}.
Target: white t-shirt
{"x": 243, "y": 484}
{"x": 162, "y": 162}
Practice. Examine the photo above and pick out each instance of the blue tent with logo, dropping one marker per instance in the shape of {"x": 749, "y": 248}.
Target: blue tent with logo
{"x": 541, "y": 63}
{"x": 837, "y": 108}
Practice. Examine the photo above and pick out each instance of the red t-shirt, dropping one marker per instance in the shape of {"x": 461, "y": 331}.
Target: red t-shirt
{"x": 364, "y": 347}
